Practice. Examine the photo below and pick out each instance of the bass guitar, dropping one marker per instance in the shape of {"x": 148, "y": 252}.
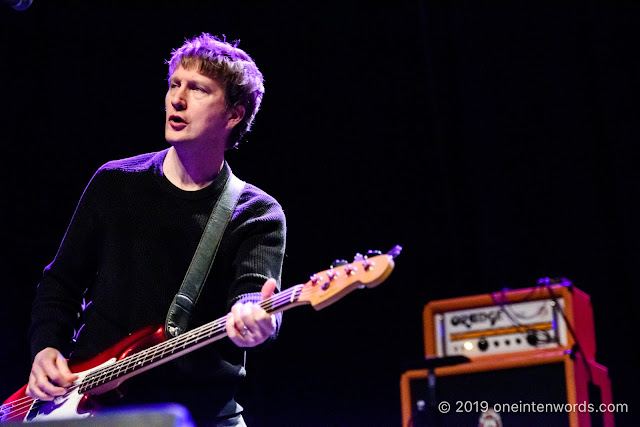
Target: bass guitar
{"x": 149, "y": 348}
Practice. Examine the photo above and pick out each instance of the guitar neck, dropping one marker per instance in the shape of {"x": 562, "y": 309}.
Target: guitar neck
{"x": 180, "y": 345}
{"x": 321, "y": 290}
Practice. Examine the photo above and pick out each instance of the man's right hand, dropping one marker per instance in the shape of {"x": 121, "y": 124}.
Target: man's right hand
{"x": 49, "y": 375}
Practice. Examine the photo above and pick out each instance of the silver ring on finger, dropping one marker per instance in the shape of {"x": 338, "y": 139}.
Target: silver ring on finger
{"x": 244, "y": 331}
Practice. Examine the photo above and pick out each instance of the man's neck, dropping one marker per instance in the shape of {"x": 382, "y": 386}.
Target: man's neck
{"x": 192, "y": 170}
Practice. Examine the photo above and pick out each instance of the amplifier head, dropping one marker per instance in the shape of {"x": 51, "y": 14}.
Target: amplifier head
{"x": 510, "y": 321}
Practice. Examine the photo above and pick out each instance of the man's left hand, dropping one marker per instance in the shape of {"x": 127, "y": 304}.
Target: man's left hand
{"x": 248, "y": 324}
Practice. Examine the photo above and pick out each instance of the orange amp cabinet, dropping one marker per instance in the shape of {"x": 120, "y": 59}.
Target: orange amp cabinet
{"x": 530, "y": 361}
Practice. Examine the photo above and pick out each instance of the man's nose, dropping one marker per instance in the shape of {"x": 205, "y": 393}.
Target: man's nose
{"x": 178, "y": 101}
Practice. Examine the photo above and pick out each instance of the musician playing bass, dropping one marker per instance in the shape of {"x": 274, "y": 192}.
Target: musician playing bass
{"x": 134, "y": 233}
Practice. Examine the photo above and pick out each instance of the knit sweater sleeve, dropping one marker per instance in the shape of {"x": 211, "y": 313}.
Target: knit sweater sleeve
{"x": 59, "y": 295}
{"x": 261, "y": 250}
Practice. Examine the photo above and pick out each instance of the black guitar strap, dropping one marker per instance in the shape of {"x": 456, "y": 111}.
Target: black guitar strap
{"x": 179, "y": 315}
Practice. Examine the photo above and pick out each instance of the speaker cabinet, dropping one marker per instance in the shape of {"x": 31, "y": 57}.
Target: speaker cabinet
{"x": 530, "y": 388}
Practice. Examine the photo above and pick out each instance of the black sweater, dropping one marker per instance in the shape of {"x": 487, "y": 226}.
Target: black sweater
{"x": 125, "y": 254}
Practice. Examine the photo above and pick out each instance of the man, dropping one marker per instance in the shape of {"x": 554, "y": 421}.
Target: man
{"x": 135, "y": 230}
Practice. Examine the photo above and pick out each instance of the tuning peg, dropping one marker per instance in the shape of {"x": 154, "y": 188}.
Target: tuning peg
{"x": 349, "y": 269}
{"x": 314, "y": 279}
{"x": 367, "y": 264}
{"x": 339, "y": 262}
{"x": 370, "y": 253}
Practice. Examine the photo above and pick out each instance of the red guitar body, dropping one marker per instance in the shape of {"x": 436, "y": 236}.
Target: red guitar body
{"x": 20, "y": 407}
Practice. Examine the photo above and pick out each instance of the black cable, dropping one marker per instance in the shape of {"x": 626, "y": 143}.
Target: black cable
{"x": 503, "y": 307}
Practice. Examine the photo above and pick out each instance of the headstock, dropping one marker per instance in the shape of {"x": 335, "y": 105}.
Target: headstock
{"x": 328, "y": 286}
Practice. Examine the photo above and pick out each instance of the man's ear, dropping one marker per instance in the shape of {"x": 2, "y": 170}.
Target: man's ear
{"x": 236, "y": 114}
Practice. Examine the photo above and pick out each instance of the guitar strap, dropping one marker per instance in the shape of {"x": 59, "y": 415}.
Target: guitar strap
{"x": 179, "y": 315}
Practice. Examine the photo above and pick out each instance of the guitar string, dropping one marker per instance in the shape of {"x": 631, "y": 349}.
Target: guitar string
{"x": 14, "y": 416}
{"x": 159, "y": 350}
{"x": 25, "y": 403}
{"x": 204, "y": 332}
{"x": 185, "y": 339}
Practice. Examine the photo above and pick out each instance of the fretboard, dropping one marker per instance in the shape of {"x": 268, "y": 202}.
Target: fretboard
{"x": 180, "y": 345}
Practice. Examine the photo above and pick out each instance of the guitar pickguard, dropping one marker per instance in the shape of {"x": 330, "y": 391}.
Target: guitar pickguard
{"x": 67, "y": 406}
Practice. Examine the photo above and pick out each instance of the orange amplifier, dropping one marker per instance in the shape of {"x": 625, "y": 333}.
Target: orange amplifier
{"x": 491, "y": 325}
{"x": 520, "y": 351}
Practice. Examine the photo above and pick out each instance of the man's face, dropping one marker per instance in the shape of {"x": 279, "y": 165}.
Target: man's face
{"x": 196, "y": 110}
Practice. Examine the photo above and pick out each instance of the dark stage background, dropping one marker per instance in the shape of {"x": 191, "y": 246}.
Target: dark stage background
{"x": 497, "y": 142}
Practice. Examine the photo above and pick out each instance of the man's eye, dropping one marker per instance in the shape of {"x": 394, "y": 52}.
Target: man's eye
{"x": 173, "y": 85}
{"x": 199, "y": 89}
